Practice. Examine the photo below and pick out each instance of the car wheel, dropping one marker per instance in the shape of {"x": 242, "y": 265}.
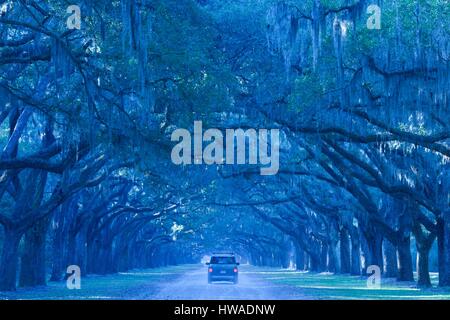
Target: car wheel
{"x": 236, "y": 281}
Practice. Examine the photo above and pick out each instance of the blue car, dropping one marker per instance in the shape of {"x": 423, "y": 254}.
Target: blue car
{"x": 223, "y": 267}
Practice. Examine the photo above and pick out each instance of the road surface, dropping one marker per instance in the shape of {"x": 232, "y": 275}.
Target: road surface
{"x": 193, "y": 286}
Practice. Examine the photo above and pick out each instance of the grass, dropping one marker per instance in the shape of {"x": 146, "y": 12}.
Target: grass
{"x": 344, "y": 287}
{"x": 126, "y": 285}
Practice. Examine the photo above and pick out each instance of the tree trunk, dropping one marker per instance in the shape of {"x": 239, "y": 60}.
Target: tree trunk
{"x": 375, "y": 246}
{"x": 422, "y": 268}
{"x": 405, "y": 265}
{"x": 299, "y": 258}
{"x": 345, "y": 251}
{"x": 424, "y": 241}
{"x": 9, "y": 259}
{"x": 332, "y": 258}
{"x": 314, "y": 263}
{"x": 443, "y": 235}
{"x": 307, "y": 262}
{"x": 391, "y": 260}
{"x": 323, "y": 257}
{"x": 123, "y": 258}
{"x": 32, "y": 271}
{"x": 81, "y": 251}
{"x": 356, "y": 253}
{"x": 58, "y": 253}
{"x": 364, "y": 253}
{"x": 70, "y": 256}
{"x": 104, "y": 262}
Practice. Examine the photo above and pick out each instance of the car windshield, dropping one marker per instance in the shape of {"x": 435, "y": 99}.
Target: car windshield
{"x": 223, "y": 260}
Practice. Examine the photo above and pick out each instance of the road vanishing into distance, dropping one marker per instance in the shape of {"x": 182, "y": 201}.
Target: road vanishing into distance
{"x": 193, "y": 285}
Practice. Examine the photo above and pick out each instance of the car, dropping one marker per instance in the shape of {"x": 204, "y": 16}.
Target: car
{"x": 223, "y": 267}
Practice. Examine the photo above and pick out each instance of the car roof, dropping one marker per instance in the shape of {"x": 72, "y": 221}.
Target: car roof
{"x": 222, "y": 255}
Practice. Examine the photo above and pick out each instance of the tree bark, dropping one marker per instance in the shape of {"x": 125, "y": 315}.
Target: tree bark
{"x": 405, "y": 265}
{"x": 365, "y": 261}
{"x": 344, "y": 251}
{"x": 314, "y": 264}
{"x": 76, "y": 251}
{"x": 32, "y": 271}
{"x": 375, "y": 247}
{"x": 332, "y": 257}
{"x": 57, "y": 257}
{"x": 323, "y": 262}
{"x": 356, "y": 252}
{"x": 424, "y": 241}
{"x": 58, "y": 250}
{"x": 390, "y": 254}
{"x": 422, "y": 268}
{"x": 9, "y": 259}
{"x": 299, "y": 258}
{"x": 443, "y": 235}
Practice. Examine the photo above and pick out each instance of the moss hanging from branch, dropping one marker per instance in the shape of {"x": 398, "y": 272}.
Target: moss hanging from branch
{"x": 136, "y": 36}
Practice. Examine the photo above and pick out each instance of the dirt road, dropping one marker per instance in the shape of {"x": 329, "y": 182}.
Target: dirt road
{"x": 193, "y": 286}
